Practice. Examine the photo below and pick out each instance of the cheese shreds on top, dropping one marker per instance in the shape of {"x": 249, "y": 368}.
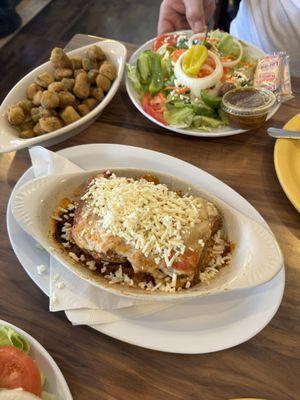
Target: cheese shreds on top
{"x": 148, "y": 217}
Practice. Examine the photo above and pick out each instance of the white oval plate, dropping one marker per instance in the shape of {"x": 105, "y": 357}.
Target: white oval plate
{"x": 206, "y": 325}
{"x": 55, "y": 381}
{"x": 256, "y": 258}
{"x": 9, "y": 139}
{"x": 226, "y": 131}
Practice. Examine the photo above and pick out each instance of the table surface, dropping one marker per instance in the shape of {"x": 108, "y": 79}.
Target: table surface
{"x": 99, "y": 367}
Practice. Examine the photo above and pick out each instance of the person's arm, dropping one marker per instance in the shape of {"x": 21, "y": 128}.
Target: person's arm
{"x": 184, "y": 14}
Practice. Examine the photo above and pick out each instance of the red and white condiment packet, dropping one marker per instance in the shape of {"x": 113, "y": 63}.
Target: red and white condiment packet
{"x": 273, "y": 73}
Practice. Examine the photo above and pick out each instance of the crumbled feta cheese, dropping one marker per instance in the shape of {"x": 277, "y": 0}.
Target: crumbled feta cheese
{"x": 92, "y": 265}
{"x": 54, "y": 297}
{"x": 73, "y": 255}
{"x": 60, "y": 285}
{"x": 41, "y": 269}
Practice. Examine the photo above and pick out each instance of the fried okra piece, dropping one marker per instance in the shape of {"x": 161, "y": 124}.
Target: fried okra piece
{"x": 76, "y": 62}
{"x": 44, "y": 79}
{"x": 92, "y": 75}
{"x": 32, "y": 89}
{"x": 59, "y": 59}
{"x": 88, "y": 64}
{"x": 83, "y": 109}
{"x": 78, "y": 71}
{"x": 103, "y": 82}
{"x": 56, "y": 87}
{"x": 26, "y": 106}
{"x": 35, "y": 114}
{"x": 37, "y": 98}
{"x": 15, "y": 115}
{"x": 27, "y": 134}
{"x": 68, "y": 83}
{"x": 38, "y": 130}
{"x": 97, "y": 93}
{"x": 95, "y": 53}
{"x": 109, "y": 70}
{"x": 66, "y": 99}
{"x": 49, "y": 99}
{"x": 61, "y": 73}
{"x": 50, "y": 124}
{"x": 90, "y": 103}
{"x": 40, "y": 112}
{"x": 27, "y": 124}
{"x": 69, "y": 115}
{"x": 82, "y": 86}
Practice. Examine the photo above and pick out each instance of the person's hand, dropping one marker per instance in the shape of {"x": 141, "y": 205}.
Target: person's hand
{"x": 175, "y": 15}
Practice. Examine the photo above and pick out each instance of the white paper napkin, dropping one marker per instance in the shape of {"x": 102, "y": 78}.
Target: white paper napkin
{"x": 82, "y": 302}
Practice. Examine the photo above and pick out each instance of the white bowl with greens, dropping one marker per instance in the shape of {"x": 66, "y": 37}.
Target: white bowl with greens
{"x": 27, "y": 371}
{"x": 158, "y": 85}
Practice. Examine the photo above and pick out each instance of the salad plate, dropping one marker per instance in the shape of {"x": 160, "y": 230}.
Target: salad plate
{"x": 195, "y": 122}
{"x": 190, "y": 327}
{"x": 55, "y": 385}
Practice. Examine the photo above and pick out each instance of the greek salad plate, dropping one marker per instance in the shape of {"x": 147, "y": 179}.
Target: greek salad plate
{"x": 182, "y": 112}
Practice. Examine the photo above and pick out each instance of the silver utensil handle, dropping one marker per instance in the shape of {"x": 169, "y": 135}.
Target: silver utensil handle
{"x": 283, "y": 133}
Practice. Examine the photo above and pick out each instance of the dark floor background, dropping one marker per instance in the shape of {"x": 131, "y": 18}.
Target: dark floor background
{"x": 128, "y": 20}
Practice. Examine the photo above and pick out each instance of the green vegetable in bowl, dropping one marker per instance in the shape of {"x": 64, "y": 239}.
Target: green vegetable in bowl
{"x": 179, "y": 117}
{"x": 133, "y": 75}
{"x": 228, "y": 46}
{"x": 150, "y": 71}
{"x": 206, "y": 123}
{"x": 9, "y": 337}
{"x": 211, "y": 99}
{"x": 143, "y": 66}
{"x": 156, "y": 83}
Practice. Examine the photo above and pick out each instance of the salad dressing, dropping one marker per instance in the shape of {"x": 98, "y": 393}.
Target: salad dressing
{"x": 247, "y": 107}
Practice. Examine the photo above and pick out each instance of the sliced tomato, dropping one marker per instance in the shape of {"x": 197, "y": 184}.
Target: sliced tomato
{"x": 155, "y": 106}
{"x": 205, "y": 71}
{"x": 176, "y": 54}
{"x": 188, "y": 262}
{"x": 170, "y": 40}
{"x": 18, "y": 370}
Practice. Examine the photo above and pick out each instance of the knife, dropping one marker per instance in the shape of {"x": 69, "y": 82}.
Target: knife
{"x": 283, "y": 133}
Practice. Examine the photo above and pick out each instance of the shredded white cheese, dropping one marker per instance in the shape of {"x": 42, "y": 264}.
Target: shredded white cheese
{"x": 150, "y": 218}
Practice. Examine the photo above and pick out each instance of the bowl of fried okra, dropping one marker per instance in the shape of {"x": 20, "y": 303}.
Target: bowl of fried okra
{"x": 62, "y": 96}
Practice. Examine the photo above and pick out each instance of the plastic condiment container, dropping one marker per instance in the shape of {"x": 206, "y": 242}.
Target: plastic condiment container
{"x": 247, "y": 107}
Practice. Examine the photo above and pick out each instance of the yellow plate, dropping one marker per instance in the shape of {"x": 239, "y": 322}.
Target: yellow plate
{"x": 287, "y": 163}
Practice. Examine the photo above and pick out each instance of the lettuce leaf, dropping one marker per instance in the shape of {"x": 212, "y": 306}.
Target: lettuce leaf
{"x": 179, "y": 117}
{"x": 228, "y": 46}
{"x": 206, "y": 123}
{"x": 133, "y": 76}
{"x": 9, "y": 337}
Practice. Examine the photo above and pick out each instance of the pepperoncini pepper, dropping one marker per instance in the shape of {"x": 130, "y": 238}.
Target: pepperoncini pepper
{"x": 194, "y": 59}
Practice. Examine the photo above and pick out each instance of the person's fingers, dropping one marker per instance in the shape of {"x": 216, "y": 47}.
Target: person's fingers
{"x": 194, "y": 11}
{"x": 170, "y": 16}
{"x": 164, "y": 26}
{"x": 209, "y": 9}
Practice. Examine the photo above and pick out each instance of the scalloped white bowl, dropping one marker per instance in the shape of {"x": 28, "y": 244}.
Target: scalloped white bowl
{"x": 55, "y": 382}
{"x": 256, "y": 258}
{"x": 9, "y": 139}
